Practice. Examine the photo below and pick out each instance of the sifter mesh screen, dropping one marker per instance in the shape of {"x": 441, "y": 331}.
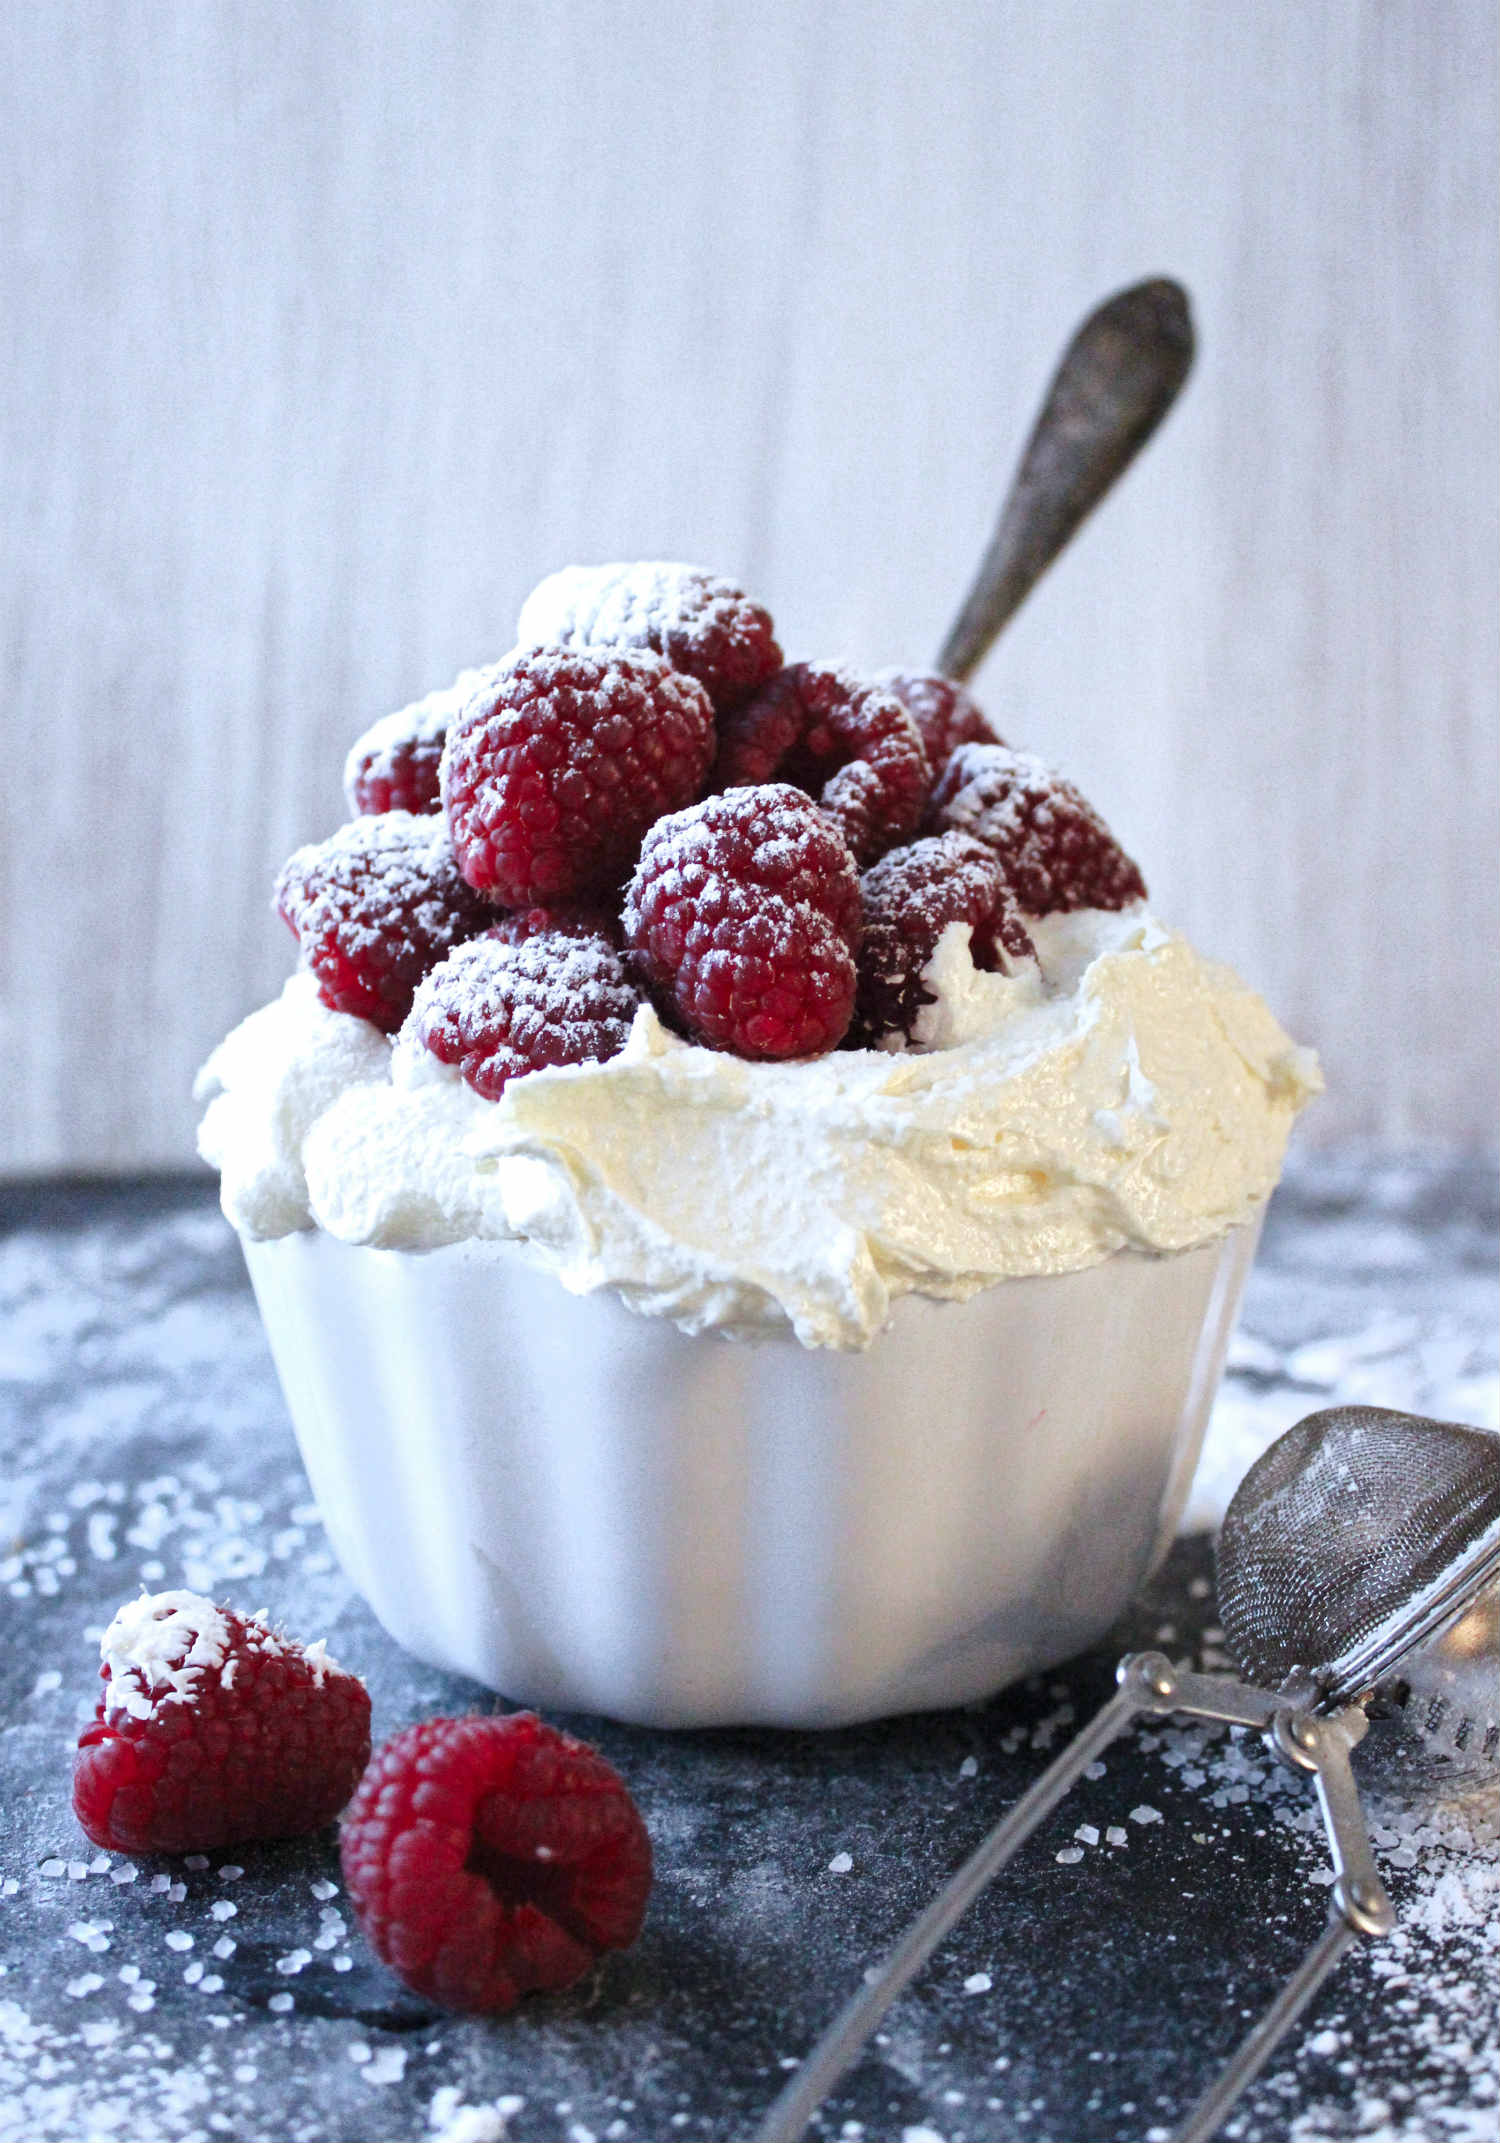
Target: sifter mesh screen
{"x": 1339, "y": 1528}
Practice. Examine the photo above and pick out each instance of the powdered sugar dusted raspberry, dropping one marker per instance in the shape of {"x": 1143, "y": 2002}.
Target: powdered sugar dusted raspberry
{"x": 374, "y": 907}
{"x": 743, "y": 915}
{"x": 393, "y": 766}
{"x": 488, "y": 1858}
{"x": 841, "y": 739}
{"x": 562, "y": 920}
{"x": 212, "y": 1728}
{"x": 705, "y": 626}
{"x": 557, "y": 767}
{"x": 499, "y": 1010}
{"x": 910, "y": 898}
{"x": 1057, "y": 852}
{"x": 943, "y": 711}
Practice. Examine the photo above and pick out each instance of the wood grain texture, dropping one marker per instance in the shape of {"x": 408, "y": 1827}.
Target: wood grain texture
{"x": 327, "y": 329}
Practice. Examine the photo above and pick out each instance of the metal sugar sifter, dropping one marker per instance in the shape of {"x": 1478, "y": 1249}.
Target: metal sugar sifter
{"x": 1359, "y": 1586}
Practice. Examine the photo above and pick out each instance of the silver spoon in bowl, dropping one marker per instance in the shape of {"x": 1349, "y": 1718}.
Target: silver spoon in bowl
{"x": 1117, "y": 379}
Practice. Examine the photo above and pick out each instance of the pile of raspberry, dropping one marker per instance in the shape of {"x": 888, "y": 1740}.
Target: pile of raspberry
{"x": 642, "y": 802}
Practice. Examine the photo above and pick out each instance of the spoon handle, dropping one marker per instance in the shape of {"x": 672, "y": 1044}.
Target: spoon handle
{"x": 1118, "y": 378}
{"x": 1265, "y": 2035}
{"x": 845, "y": 2037}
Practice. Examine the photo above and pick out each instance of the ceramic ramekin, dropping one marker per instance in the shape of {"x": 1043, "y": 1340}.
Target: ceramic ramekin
{"x": 585, "y": 1509}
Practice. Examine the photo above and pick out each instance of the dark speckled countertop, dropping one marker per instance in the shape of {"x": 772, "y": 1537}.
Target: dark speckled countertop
{"x": 1088, "y": 1995}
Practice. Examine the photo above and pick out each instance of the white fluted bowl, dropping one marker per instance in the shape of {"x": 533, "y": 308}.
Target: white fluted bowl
{"x": 588, "y": 1510}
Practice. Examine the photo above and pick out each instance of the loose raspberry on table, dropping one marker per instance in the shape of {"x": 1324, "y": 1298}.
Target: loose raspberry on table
{"x": 212, "y": 1730}
{"x": 943, "y": 711}
{"x": 559, "y": 764}
{"x": 499, "y": 1010}
{"x": 1056, "y": 850}
{"x": 394, "y": 765}
{"x": 374, "y": 907}
{"x": 910, "y": 898}
{"x": 743, "y": 917}
{"x": 488, "y": 1858}
{"x": 704, "y": 626}
{"x": 839, "y": 738}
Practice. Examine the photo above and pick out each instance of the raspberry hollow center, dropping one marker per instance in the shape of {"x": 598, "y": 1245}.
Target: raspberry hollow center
{"x": 527, "y": 1877}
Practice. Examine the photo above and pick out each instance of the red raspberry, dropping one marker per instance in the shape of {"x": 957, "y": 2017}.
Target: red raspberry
{"x": 212, "y": 1730}
{"x": 374, "y": 907}
{"x": 487, "y": 1858}
{"x": 564, "y": 921}
{"x": 846, "y": 742}
{"x": 1057, "y": 851}
{"x": 557, "y": 767}
{"x": 943, "y": 711}
{"x": 909, "y": 899}
{"x": 394, "y": 765}
{"x": 743, "y": 916}
{"x": 706, "y": 627}
{"x": 500, "y": 1010}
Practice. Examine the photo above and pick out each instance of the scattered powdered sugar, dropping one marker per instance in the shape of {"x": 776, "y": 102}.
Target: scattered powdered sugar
{"x": 1436, "y": 1977}
{"x": 454, "y": 2122}
{"x": 386, "y": 2066}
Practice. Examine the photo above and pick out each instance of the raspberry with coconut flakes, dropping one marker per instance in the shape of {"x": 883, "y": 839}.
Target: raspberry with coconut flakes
{"x": 943, "y": 711}
{"x": 560, "y": 763}
{"x": 374, "y": 907}
{"x": 743, "y": 917}
{"x": 909, "y": 899}
{"x": 214, "y": 1730}
{"x": 840, "y": 739}
{"x": 394, "y": 765}
{"x": 488, "y": 1858}
{"x": 1056, "y": 851}
{"x": 704, "y": 626}
{"x": 498, "y": 1011}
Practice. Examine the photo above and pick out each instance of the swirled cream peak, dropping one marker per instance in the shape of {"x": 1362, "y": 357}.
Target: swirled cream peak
{"x": 1125, "y": 1093}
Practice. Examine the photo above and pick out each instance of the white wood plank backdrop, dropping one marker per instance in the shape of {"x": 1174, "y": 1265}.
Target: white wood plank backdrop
{"x": 328, "y": 328}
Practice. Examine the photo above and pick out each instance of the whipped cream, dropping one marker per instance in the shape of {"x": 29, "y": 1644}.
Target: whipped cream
{"x": 1123, "y": 1092}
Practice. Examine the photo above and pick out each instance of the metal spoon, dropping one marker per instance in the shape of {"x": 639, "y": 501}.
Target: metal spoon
{"x": 1118, "y": 378}
{"x": 1359, "y": 1558}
